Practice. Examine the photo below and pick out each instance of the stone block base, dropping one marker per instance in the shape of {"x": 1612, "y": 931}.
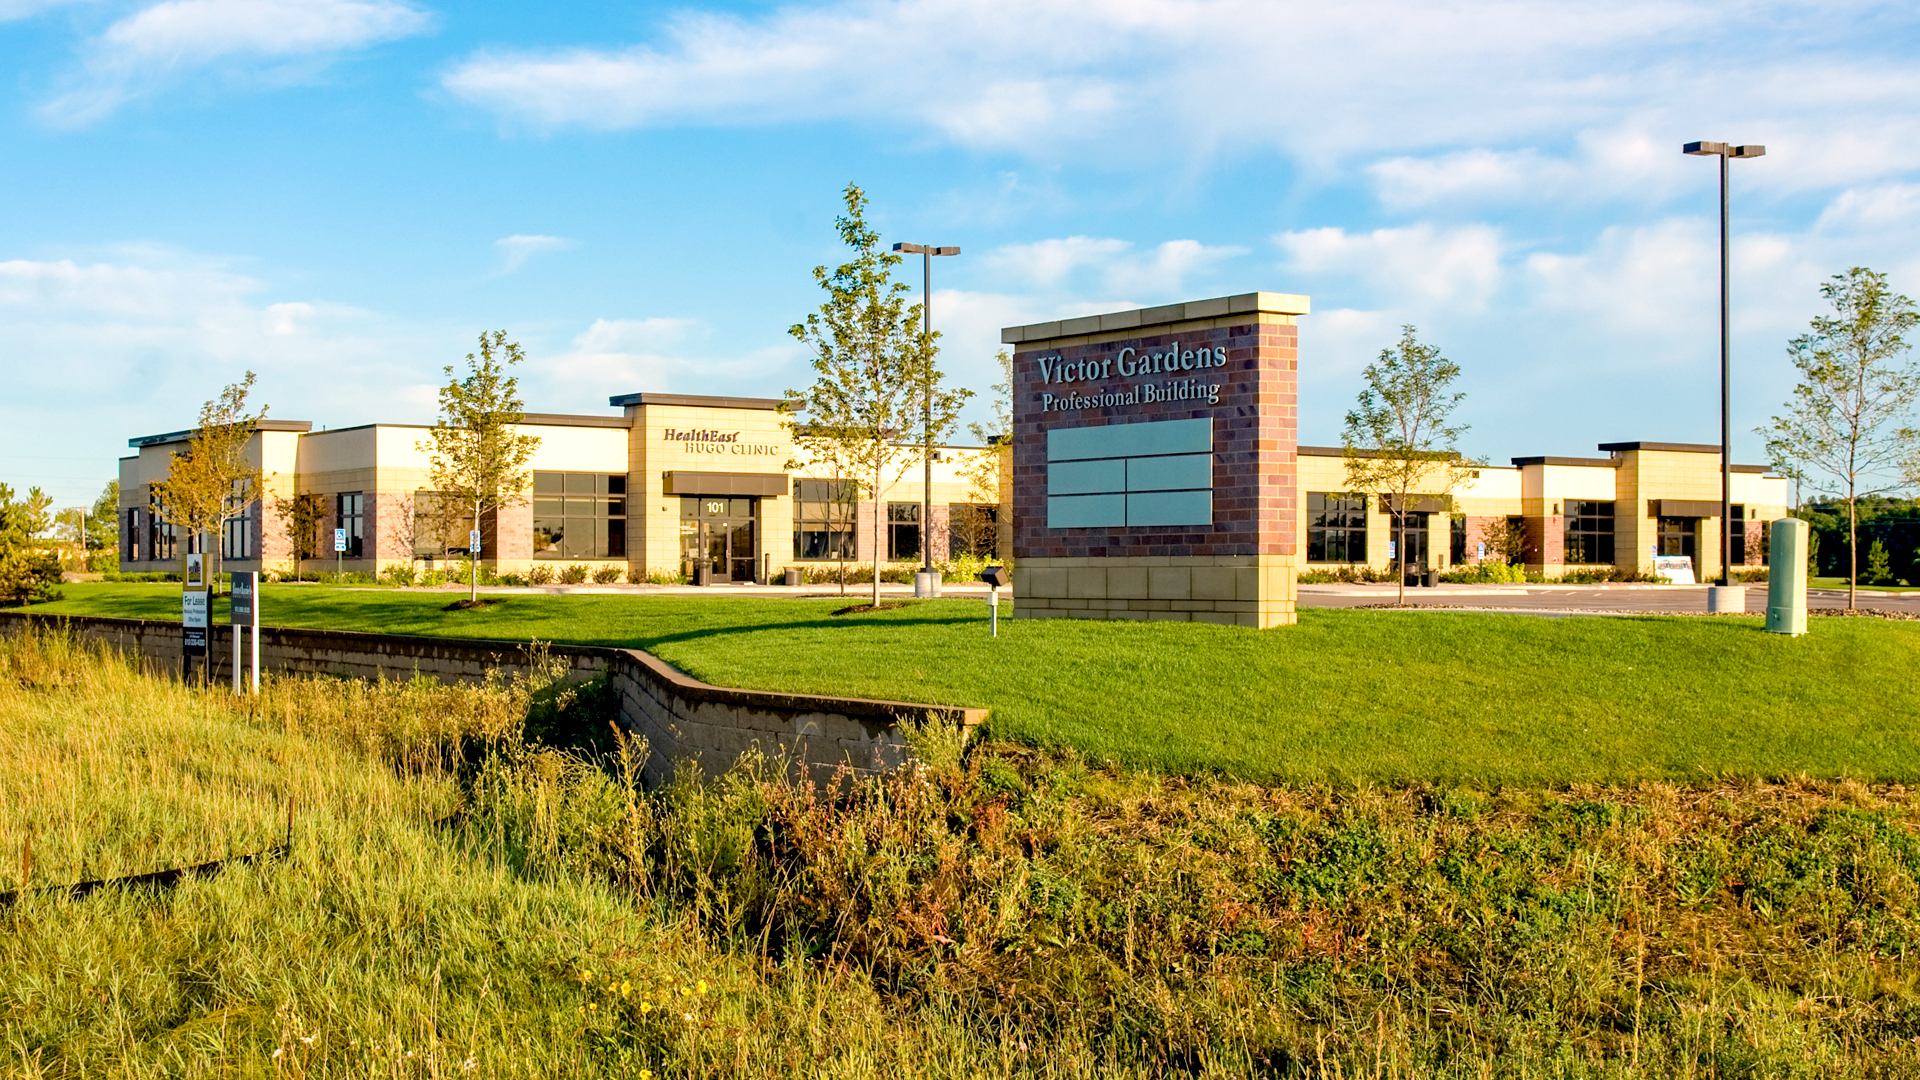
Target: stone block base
{"x": 1235, "y": 590}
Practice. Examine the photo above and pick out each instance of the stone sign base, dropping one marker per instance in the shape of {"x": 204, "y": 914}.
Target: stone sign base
{"x": 1234, "y": 590}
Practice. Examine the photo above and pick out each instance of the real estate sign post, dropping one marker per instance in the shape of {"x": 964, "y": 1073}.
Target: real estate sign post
{"x": 245, "y": 615}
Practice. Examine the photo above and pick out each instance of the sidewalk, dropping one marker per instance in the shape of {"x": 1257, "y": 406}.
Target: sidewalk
{"x": 962, "y": 590}
{"x": 1579, "y": 598}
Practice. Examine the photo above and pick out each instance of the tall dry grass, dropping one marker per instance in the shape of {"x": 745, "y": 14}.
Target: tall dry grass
{"x": 477, "y": 886}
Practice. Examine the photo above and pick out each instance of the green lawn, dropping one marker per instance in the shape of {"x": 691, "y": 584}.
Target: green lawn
{"x": 1840, "y": 584}
{"x": 1346, "y": 695}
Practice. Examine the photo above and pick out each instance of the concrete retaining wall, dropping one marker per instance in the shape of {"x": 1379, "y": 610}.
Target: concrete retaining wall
{"x": 681, "y": 718}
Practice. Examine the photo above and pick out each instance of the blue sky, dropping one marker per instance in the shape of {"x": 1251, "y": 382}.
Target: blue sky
{"x": 341, "y": 194}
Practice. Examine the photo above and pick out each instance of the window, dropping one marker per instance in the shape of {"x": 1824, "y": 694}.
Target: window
{"x": 348, "y": 514}
{"x": 160, "y": 534}
{"x": 903, "y": 531}
{"x": 579, "y": 515}
{"x": 1589, "y": 533}
{"x": 1457, "y": 541}
{"x": 236, "y": 539}
{"x": 1678, "y": 536}
{"x": 972, "y": 529}
{"x": 440, "y": 526}
{"x": 1336, "y": 527}
{"x": 1737, "y": 521}
{"x": 131, "y": 535}
{"x": 823, "y": 518}
{"x": 1411, "y": 528}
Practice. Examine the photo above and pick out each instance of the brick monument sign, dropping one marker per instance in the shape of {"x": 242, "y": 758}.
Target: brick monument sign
{"x": 1153, "y": 463}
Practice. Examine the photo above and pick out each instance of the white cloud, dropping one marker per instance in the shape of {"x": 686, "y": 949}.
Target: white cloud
{"x": 1322, "y": 82}
{"x": 272, "y": 39}
{"x": 667, "y": 354}
{"x": 1118, "y": 270}
{"x": 1881, "y": 207}
{"x": 517, "y": 249}
{"x": 1423, "y": 266}
{"x": 152, "y": 333}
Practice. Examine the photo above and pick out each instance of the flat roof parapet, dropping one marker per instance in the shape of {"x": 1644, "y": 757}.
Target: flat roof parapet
{"x": 1673, "y": 447}
{"x": 698, "y": 400}
{"x": 571, "y": 420}
{"x": 1219, "y": 307}
{"x": 183, "y": 436}
{"x": 1590, "y": 462}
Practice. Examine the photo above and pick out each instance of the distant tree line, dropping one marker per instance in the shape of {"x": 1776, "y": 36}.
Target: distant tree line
{"x": 1889, "y": 538}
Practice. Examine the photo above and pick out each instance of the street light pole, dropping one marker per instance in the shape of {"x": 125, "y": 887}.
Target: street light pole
{"x": 1725, "y": 152}
{"x": 923, "y": 582}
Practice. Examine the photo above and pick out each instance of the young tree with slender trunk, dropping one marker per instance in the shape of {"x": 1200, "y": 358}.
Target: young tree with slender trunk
{"x": 876, "y": 379}
{"x": 300, "y": 515}
{"x": 477, "y": 458}
{"x": 1398, "y": 442}
{"x": 212, "y": 477}
{"x": 1848, "y": 428}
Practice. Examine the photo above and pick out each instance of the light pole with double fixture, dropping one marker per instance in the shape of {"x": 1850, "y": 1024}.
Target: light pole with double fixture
{"x": 925, "y": 583}
{"x": 1717, "y": 600}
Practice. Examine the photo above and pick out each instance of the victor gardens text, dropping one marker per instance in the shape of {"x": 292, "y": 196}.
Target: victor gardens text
{"x": 1140, "y": 373}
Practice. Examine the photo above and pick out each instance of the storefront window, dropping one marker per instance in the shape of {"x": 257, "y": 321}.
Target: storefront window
{"x": 1679, "y": 536}
{"x": 903, "y": 531}
{"x": 823, "y": 519}
{"x": 1588, "y": 540}
{"x": 440, "y": 526}
{"x": 348, "y": 514}
{"x": 1336, "y": 527}
{"x": 579, "y": 515}
{"x": 160, "y": 533}
{"x": 236, "y": 540}
{"x": 973, "y": 529}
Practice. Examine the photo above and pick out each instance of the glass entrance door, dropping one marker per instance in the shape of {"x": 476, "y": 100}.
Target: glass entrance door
{"x": 718, "y": 533}
{"x": 1681, "y": 536}
{"x": 1414, "y": 558}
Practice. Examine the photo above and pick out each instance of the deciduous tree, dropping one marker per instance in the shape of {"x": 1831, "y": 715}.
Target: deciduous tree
{"x": 1399, "y": 441}
{"x": 300, "y": 515}
{"x": 875, "y": 374}
{"x": 103, "y": 529}
{"x": 212, "y": 477}
{"x": 1848, "y": 429}
{"x": 477, "y": 457}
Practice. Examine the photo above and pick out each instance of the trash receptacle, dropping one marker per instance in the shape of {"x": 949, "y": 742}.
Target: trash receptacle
{"x": 793, "y": 577}
{"x": 703, "y": 574}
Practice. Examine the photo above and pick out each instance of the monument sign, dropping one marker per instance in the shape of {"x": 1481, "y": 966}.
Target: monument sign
{"x": 1153, "y": 463}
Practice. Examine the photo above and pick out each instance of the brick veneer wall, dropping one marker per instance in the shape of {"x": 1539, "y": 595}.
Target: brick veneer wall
{"x": 1254, "y": 467}
{"x": 682, "y": 719}
{"x": 1478, "y": 529}
{"x": 1546, "y": 542}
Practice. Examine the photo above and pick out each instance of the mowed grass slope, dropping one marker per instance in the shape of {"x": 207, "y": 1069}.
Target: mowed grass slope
{"x": 1345, "y": 695}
